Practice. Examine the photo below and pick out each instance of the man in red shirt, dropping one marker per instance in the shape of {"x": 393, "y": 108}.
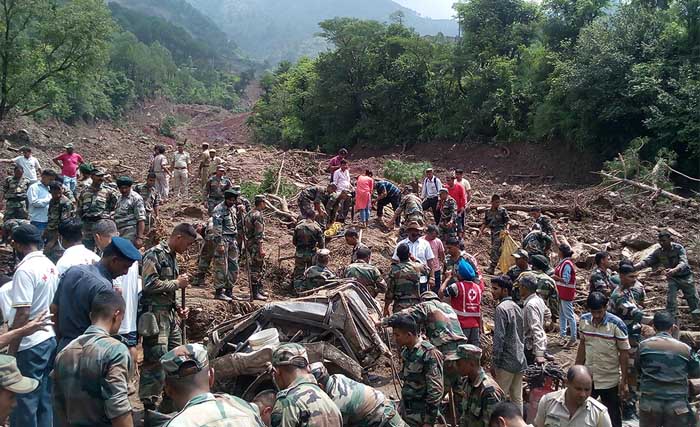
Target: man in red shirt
{"x": 457, "y": 192}
{"x": 69, "y": 163}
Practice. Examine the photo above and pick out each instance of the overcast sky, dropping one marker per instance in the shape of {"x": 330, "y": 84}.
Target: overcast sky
{"x": 438, "y": 9}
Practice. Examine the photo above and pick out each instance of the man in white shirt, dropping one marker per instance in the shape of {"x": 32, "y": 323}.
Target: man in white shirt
{"x": 29, "y": 164}
{"x": 419, "y": 249}
{"x": 33, "y": 288}
{"x": 430, "y": 192}
{"x": 76, "y": 253}
{"x": 38, "y": 199}
{"x": 181, "y": 170}
{"x": 162, "y": 171}
{"x": 341, "y": 179}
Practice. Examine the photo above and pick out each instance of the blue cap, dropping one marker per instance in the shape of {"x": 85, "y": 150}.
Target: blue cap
{"x": 126, "y": 249}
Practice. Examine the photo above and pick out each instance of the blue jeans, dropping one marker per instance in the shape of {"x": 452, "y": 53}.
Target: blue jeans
{"x": 566, "y": 315}
{"x": 35, "y": 409}
{"x": 70, "y": 183}
{"x": 438, "y": 281}
{"x": 364, "y": 214}
{"x": 40, "y": 225}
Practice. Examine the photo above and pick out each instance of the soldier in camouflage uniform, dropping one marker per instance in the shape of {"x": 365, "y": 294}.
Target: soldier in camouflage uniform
{"x": 546, "y": 286}
{"x": 352, "y": 239}
{"x": 448, "y": 215}
{"x": 496, "y": 219}
{"x": 521, "y": 266}
{"x": 187, "y": 376}
{"x": 600, "y": 280}
{"x": 300, "y": 401}
{"x": 91, "y": 374}
{"x": 14, "y": 190}
{"x": 544, "y": 222}
{"x": 359, "y": 404}
{"x": 214, "y": 189}
{"x": 147, "y": 191}
{"x": 403, "y": 281}
{"x": 366, "y": 274}
{"x": 411, "y": 207}
{"x": 242, "y": 208}
{"x": 664, "y": 365}
{"x": 254, "y": 233}
{"x": 421, "y": 374}
{"x": 96, "y": 202}
{"x": 222, "y": 234}
{"x": 130, "y": 214}
{"x": 310, "y": 200}
{"x": 60, "y": 209}
{"x": 317, "y": 275}
{"x": 672, "y": 256}
{"x": 308, "y": 236}
{"x": 160, "y": 328}
{"x": 334, "y": 205}
{"x": 481, "y": 392}
{"x": 536, "y": 242}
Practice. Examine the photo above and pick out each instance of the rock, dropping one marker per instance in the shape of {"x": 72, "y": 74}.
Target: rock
{"x": 190, "y": 212}
{"x": 602, "y": 203}
{"x": 636, "y": 241}
{"x": 640, "y": 255}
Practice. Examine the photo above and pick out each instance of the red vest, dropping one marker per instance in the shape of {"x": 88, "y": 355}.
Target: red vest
{"x": 467, "y": 303}
{"x": 567, "y": 291}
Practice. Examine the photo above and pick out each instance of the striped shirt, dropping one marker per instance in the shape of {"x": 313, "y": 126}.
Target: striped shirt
{"x": 603, "y": 343}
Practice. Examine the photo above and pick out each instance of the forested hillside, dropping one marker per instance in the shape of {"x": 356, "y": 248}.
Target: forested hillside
{"x": 601, "y": 78}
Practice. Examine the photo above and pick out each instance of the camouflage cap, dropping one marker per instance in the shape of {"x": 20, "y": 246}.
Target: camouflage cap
{"x": 540, "y": 262}
{"x": 11, "y": 378}
{"x": 231, "y": 193}
{"x": 319, "y": 371}
{"x": 69, "y": 145}
{"x": 260, "y": 198}
{"x": 99, "y": 172}
{"x": 290, "y": 354}
{"x": 527, "y": 280}
{"x": 466, "y": 352}
{"x": 521, "y": 253}
{"x": 425, "y": 296}
{"x": 184, "y": 360}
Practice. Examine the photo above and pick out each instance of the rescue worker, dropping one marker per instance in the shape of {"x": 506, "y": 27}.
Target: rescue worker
{"x": 454, "y": 252}
{"x": 96, "y": 202}
{"x": 203, "y": 167}
{"x": 544, "y": 223}
{"x": 130, "y": 213}
{"x": 497, "y": 220}
{"x": 366, "y": 274}
{"x": 60, "y": 209}
{"x": 300, "y": 401}
{"x": 181, "y": 170}
{"x": 311, "y": 200}
{"x": 352, "y": 239}
{"x": 307, "y": 238}
{"x": 14, "y": 190}
{"x": 387, "y": 193}
{"x": 403, "y": 281}
{"x": 318, "y": 274}
{"x": 254, "y": 233}
{"x": 214, "y": 162}
{"x": 147, "y": 191}
{"x": 537, "y": 242}
{"x": 522, "y": 265}
{"x": 214, "y": 189}
{"x": 601, "y": 275}
{"x": 223, "y": 233}
{"x": 546, "y": 286}
{"x": 411, "y": 207}
{"x": 448, "y": 215}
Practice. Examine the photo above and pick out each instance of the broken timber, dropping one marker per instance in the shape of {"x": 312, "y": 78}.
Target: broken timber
{"x": 646, "y": 187}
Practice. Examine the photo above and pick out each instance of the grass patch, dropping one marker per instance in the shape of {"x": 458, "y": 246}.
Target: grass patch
{"x": 405, "y": 172}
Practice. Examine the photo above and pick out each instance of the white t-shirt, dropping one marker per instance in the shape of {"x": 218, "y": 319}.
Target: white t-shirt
{"x": 420, "y": 249}
{"x": 130, "y": 285}
{"x": 29, "y": 166}
{"x": 341, "y": 179}
{"x": 33, "y": 285}
{"x": 6, "y": 303}
{"x": 75, "y": 255}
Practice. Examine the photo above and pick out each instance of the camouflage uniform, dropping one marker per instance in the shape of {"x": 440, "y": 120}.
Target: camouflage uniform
{"x": 448, "y": 213}
{"x": 513, "y": 273}
{"x": 627, "y": 305}
{"x": 222, "y": 233}
{"x": 422, "y": 384}
{"x": 664, "y": 365}
{"x": 403, "y": 284}
{"x": 675, "y": 258}
{"x": 59, "y": 210}
{"x": 254, "y": 230}
{"x": 129, "y": 212}
{"x": 307, "y": 237}
{"x": 368, "y": 275}
{"x": 537, "y": 242}
{"x": 95, "y": 204}
{"x": 159, "y": 273}
{"x": 308, "y": 197}
{"x": 360, "y": 404}
{"x": 150, "y": 202}
{"x": 600, "y": 281}
{"x": 333, "y": 206}
{"x": 90, "y": 380}
{"x": 547, "y": 290}
{"x": 545, "y": 224}
{"x": 411, "y": 207}
{"x": 303, "y": 403}
{"x": 314, "y": 277}
{"x": 496, "y": 221}
{"x": 240, "y": 215}
{"x": 480, "y": 399}
{"x": 214, "y": 191}
{"x": 15, "y": 193}
{"x": 206, "y": 409}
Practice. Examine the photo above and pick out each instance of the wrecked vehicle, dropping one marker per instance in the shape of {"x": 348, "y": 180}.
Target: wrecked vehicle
{"x": 336, "y": 325}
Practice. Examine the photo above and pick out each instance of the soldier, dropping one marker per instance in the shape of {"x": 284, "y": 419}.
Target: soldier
{"x": 448, "y": 214}
{"x": 96, "y": 202}
{"x": 318, "y": 274}
{"x": 265, "y": 401}
{"x": 130, "y": 214}
{"x": 307, "y": 237}
{"x": 181, "y": 170}
{"x": 214, "y": 190}
{"x": 91, "y": 374}
{"x": 300, "y": 402}
{"x": 188, "y": 378}
{"x": 334, "y": 205}
{"x": 161, "y": 168}
{"x": 421, "y": 374}
{"x": 203, "y": 167}
{"x": 60, "y": 209}
{"x": 403, "y": 282}
{"x": 600, "y": 277}
{"x": 507, "y": 414}
{"x": 366, "y": 274}
{"x": 481, "y": 392}
{"x": 536, "y": 242}
{"x": 497, "y": 220}
{"x": 546, "y": 286}
{"x": 12, "y": 383}
{"x": 359, "y": 404}
{"x": 242, "y": 208}
{"x": 352, "y": 238}
{"x": 311, "y": 200}
{"x": 147, "y": 191}
{"x": 521, "y": 265}
{"x": 85, "y": 178}
{"x": 544, "y": 222}
{"x": 672, "y": 257}
{"x": 160, "y": 328}
{"x": 14, "y": 190}
{"x": 254, "y": 232}
{"x": 214, "y": 162}
{"x": 412, "y": 209}
{"x": 223, "y": 233}
{"x": 664, "y": 365}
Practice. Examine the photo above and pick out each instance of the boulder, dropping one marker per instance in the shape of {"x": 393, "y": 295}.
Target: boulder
{"x": 637, "y": 241}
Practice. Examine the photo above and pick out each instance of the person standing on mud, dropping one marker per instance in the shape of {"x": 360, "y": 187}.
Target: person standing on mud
{"x": 69, "y": 162}
{"x": 162, "y": 170}
{"x": 307, "y": 237}
{"x": 203, "y": 166}
{"x": 147, "y": 191}
{"x": 496, "y": 219}
{"x": 223, "y": 232}
{"x": 254, "y": 229}
{"x": 96, "y": 202}
{"x": 60, "y": 209}
{"x": 215, "y": 188}
{"x": 14, "y": 190}
{"x": 130, "y": 213}
{"x": 181, "y": 171}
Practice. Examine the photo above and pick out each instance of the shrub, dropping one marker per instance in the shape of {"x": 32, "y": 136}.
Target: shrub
{"x": 167, "y": 127}
{"x": 404, "y": 172}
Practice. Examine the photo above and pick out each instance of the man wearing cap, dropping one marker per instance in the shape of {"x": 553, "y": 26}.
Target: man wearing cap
{"x": 60, "y": 209}
{"x": 38, "y": 199}
{"x": 12, "y": 383}
{"x": 448, "y": 214}
{"x": 311, "y": 200}
{"x": 544, "y": 223}
{"x": 359, "y": 404}
{"x": 419, "y": 248}
{"x": 254, "y": 233}
{"x": 203, "y": 167}
{"x": 497, "y": 220}
{"x": 29, "y": 164}
{"x": 318, "y": 274}
{"x": 421, "y": 373}
{"x": 96, "y": 202}
{"x": 300, "y": 401}
{"x": 69, "y": 162}
{"x": 162, "y": 170}
{"x": 536, "y": 317}
{"x": 14, "y": 190}
{"x": 160, "y": 327}
{"x": 365, "y": 273}
{"x": 91, "y": 374}
{"x": 130, "y": 212}
{"x": 80, "y": 284}
{"x": 214, "y": 189}
{"x": 214, "y": 162}
{"x": 188, "y": 381}
{"x": 521, "y": 265}
{"x": 181, "y": 170}
{"x": 547, "y": 287}
{"x": 404, "y": 281}
{"x": 147, "y": 191}
{"x": 537, "y": 242}
{"x": 411, "y": 208}
{"x": 85, "y": 178}
{"x": 33, "y": 287}
{"x": 223, "y": 233}
{"x": 429, "y": 193}
{"x": 307, "y": 238}
{"x": 673, "y": 258}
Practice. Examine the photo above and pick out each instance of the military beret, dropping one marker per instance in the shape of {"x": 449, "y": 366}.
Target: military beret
{"x": 231, "y": 193}
{"x": 425, "y": 296}
{"x": 260, "y": 198}
{"x": 26, "y": 234}
{"x": 540, "y": 262}
{"x": 521, "y": 253}
{"x": 85, "y": 168}
{"x": 627, "y": 269}
{"x": 126, "y": 249}
{"x": 99, "y": 172}
{"x": 124, "y": 181}
{"x": 184, "y": 360}
{"x": 12, "y": 379}
{"x": 468, "y": 352}
{"x": 290, "y": 354}
{"x": 69, "y": 145}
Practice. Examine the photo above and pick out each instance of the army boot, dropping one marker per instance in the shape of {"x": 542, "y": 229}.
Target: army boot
{"x": 257, "y": 295}
{"x": 229, "y": 293}
{"x": 221, "y": 296}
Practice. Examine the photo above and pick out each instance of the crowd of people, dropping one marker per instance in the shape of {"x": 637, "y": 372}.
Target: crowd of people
{"x": 85, "y": 291}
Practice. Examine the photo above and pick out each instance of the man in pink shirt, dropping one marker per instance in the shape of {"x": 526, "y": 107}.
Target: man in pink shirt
{"x": 435, "y": 264}
{"x": 69, "y": 163}
{"x": 457, "y": 192}
{"x": 334, "y": 163}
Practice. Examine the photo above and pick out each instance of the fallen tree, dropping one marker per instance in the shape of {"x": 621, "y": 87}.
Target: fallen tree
{"x": 655, "y": 190}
